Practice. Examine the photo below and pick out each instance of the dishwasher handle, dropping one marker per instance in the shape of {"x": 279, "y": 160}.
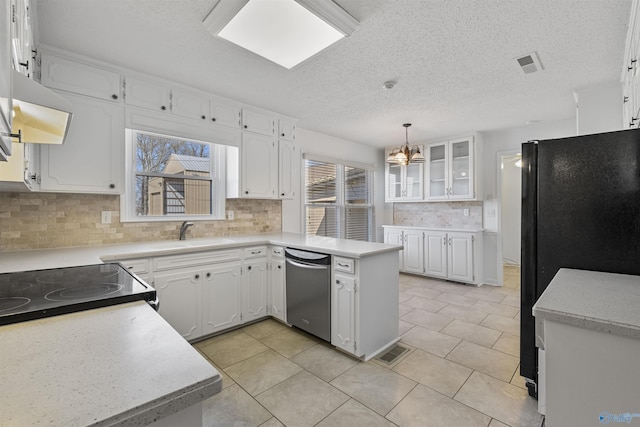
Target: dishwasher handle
{"x": 306, "y": 265}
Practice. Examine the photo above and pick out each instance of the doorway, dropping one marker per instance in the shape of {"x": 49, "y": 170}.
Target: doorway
{"x": 509, "y": 217}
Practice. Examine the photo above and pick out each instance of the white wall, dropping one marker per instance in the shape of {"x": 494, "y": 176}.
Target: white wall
{"x": 600, "y": 108}
{"x": 340, "y": 149}
{"x": 510, "y": 214}
{"x": 508, "y": 140}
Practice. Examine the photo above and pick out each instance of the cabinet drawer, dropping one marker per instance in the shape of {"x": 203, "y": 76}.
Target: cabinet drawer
{"x": 255, "y": 252}
{"x": 345, "y": 265}
{"x": 194, "y": 259}
{"x": 277, "y": 252}
{"x": 136, "y": 266}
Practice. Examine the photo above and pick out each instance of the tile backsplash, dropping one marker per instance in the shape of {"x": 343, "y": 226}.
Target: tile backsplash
{"x": 48, "y": 220}
{"x": 438, "y": 215}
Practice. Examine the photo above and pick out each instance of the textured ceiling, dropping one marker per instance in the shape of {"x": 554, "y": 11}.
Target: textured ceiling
{"x": 452, "y": 60}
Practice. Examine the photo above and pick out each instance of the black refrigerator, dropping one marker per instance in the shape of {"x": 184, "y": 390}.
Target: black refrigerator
{"x": 580, "y": 209}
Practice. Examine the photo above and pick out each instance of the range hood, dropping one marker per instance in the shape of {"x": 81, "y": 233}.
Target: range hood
{"x": 40, "y": 115}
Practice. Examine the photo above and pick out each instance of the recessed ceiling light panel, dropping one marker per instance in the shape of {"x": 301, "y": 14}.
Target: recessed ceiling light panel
{"x": 282, "y": 31}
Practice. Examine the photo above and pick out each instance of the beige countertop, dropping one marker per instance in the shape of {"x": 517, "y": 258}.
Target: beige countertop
{"x": 67, "y": 257}
{"x": 604, "y": 302}
{"x": 117, "y": 365}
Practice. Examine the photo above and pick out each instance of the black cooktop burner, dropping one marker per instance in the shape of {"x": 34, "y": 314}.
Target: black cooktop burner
{"x": 34, "y": 294}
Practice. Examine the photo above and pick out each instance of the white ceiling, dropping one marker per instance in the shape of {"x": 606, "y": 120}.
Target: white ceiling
{"x": 452, "y": 60}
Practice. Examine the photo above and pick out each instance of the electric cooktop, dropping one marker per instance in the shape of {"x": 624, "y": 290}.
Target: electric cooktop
{"x": 29, "y": 295}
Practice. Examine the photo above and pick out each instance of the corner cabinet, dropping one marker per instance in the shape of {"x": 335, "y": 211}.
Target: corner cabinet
{"x": 450, "y": 170}
{"x": 404, "y": 183}
{"x": 450, "y": 255}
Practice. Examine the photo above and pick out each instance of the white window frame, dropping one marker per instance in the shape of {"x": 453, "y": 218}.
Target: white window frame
{"x": 218, "y": 183}
{"x": 341, "y": 204}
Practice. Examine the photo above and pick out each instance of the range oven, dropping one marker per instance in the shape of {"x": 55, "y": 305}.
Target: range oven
{"x": 35, "y": 294}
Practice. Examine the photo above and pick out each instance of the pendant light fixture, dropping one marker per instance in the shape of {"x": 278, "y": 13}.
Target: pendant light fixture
{"x": 404, "y": 155}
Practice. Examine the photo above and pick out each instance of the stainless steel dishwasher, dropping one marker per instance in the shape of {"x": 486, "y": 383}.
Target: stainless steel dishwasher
{"x": 308, "y": 284}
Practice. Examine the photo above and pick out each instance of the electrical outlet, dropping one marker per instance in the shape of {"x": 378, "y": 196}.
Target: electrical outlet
{"x": 230, "y": 215}
{"x": 106, "y": 217}
{"x": 466, "y": 212}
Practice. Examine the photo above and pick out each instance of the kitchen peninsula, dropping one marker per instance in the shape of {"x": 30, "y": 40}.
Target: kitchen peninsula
{"x": 137, "y": 356}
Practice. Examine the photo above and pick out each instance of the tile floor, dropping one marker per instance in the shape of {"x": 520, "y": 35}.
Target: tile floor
{"x": 461, "y": 368}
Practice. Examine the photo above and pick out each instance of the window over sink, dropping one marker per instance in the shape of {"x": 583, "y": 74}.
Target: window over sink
{"x": 172, "y": 178}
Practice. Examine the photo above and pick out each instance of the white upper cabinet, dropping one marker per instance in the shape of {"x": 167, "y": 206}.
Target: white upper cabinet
{"x": 92, "y": 158}
{"x": 190, "y": 105}
{"x": 288, "y": 169}
{"x": 71, "y": 76}
{"x": 224, "y": 113}
{"x": 286, "y": 130}
{"x": 259, "y": 166}
{"x": 404, "y": 183}
{"x": 450, "y": 170}
{"x": 147, "y": 94}
{"x": 258, "y": 122}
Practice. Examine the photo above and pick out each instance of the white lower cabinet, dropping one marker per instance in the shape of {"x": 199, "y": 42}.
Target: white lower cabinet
{"x": 221, "y": 297}
{"x": 278, "y": 305}
{"x": 451, "y": 255}
{"x": 343, "y": 313}
{"x": 254, "y": 286}
{"x": 364, "y": 304}
{"x": 180, "y": 296}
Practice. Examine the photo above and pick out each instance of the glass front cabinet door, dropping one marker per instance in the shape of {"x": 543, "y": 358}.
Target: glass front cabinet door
{"x": 450, "y": 170}
{"x": 404, "y": 182}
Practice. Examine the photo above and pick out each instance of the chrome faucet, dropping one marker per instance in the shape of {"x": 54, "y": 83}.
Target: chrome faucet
{"x": 183, "y": 229}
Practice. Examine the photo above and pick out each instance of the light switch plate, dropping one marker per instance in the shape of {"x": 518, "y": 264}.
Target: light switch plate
{"x": 230, "y": 215}
{"x": 106, "y": 217}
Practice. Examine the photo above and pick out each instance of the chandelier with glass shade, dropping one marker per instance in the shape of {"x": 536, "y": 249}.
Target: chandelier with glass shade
{"x": 404, "y": 155}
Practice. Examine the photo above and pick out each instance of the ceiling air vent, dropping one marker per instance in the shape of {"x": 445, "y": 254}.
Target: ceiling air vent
{"x": 529, "y": 63}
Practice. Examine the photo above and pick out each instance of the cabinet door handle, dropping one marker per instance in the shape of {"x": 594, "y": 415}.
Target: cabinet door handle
{"x": 163, "y": 108}
{"x": 114, "y": 96}
{"x": 255, "y": 252}
{"x": 249, "y": 268}
{"x": 213, "y": 119}
{"x": 203, "y": 117}
{"x": 444, "y": 241}
{"x": 279, "y": 267}
{"x": 449, "y": 241}
{"x": 245, "y": 126}
{"x": 337, "y": 282}
{"x": 208, "y": 274}
{"x": 197, "y": 276}
{"x": 343, "y": 265}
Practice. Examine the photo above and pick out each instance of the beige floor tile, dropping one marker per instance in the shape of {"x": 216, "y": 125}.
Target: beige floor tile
{"x": 233, "y": 406}
{"x": 302, "y": 400}
{"x": 404, "y": 327}
{"x": 403, "y": 286}
{"x": 463, "y": 313}
{"x": 233, "y": 349}
{"x": 353, "y": 414}
{"x": 264, "y": 328}
{"x": 457, "y": 299}
{"x": 501, "y": 323}
{"x": 434, "y": 372}
{"x": 403, "y": 296}
{"x": 496, "y": 423}
{"x": 512, "y": 300}
{"x": 509, "y": 344}
{"x": 423, "y": 292}
{"x": 426, "y": 304}
{"x": 427, "y": 408}
{"x": 518, "y": 381}
{"x": 374, "y": 386}
{"x": 506, "y": 403}
{"x": 324, "y": 362}
{"x": 452, "y": 288}
{"x": 289, "y": 342}
{"x": 226, "y": 379}
{"x": 491, "y": 362}
{"x": 204, "y": 343}
{"x": 494, "y": 308}
{"x": 431, "y": 341}
{"x": 426, "y": 319}
{"x": 272, "y": 422}
{"x": 471, "y": 332}
{"x": 486, "y": 294}
{"x": 404, "y": 309}
{"x": 262, "y": 371}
